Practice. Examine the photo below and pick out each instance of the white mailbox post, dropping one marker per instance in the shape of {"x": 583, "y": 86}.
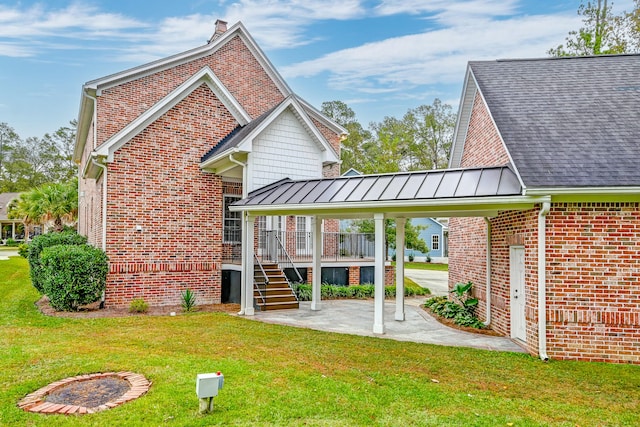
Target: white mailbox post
{"x": 207, "y": 386}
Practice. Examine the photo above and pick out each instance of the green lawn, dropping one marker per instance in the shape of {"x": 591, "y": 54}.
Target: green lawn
{"x": 277, "y": 375}
{"x": 424, "y": 266}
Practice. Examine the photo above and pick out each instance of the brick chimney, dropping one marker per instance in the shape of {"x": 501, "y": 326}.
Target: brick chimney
{"x": 221, "y": 28}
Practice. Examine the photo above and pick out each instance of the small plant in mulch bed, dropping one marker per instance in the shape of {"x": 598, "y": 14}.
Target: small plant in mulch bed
{"x": 188, "y": 300}
{"x": 461, "y": 310}
{"x": 138, "y": 305}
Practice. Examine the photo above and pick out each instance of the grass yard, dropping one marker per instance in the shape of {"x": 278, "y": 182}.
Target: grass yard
{"x": 277, "y": 375}
{"x": 424, "y": 266}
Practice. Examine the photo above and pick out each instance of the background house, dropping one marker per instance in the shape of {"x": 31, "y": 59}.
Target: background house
{"x": 563, "y": 277}
{"x": 9, "y": 228}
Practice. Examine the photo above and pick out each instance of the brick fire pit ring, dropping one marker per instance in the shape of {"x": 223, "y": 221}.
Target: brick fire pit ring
{"x": 86, "y": 394}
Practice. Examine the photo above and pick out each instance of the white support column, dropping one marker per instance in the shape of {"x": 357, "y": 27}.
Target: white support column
{"x": 247, "y": 248}
{"x": 243, "y": 263}
{"x": 316, "y": 226}
{"x": 400, "y": 222}
{"x": 378, "y": 317}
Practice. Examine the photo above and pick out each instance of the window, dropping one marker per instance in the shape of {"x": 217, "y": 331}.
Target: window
{"x": 232, "y": 221}
{"x": 435, "y": 242}
{"x": 302, "y": 232}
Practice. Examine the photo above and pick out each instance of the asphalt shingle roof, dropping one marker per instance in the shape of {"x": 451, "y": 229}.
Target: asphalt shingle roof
{"x": 567, "y": 122}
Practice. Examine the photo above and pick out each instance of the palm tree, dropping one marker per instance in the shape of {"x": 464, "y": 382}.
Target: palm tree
{"x": 57, "y": 203}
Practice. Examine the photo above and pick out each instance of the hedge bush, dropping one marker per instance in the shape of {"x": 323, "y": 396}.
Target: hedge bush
{"x": 44, "y": 241}
{"x": 303, "y": 291}
{"x": 73, "y": 275}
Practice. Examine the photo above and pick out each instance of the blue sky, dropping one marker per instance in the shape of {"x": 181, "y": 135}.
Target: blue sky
{"x": 380, "y": 57}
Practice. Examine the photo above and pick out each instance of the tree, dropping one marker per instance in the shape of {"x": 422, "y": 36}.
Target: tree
{"x": 50, "y": 203}
{"x": 420, "y": 140}
{"x": 603, "y": 32}
{"x": 29, "y": 163}
{"x": 411, "y": 233}
{"x": 431, "y": 128}
{"x": 351, "y": 153}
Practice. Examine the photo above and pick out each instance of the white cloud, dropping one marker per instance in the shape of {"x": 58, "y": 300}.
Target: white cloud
{"x": 282, "y": 24}
{"x": 434, "y": 57}
{"x": 82, "y": 20}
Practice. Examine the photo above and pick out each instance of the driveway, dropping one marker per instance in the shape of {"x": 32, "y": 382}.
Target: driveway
{"x": 436, "y": 281}
{"x": 5, "y": 254}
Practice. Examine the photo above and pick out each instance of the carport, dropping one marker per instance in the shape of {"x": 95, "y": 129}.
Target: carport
{"x": 471, "y": 192}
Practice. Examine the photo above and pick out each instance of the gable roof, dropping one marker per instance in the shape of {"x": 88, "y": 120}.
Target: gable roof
{"x": 94, "y": 87}
{"x": 565, "y": 122}
{"x": 241, "y": 138}
{"x": 204, "y": 76}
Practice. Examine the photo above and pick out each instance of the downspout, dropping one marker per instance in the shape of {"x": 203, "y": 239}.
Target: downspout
{"x": 488, "y": 286}
{"x": 243, "y": 231}
{"x": 542, "y": 281}
{"x": 104, "y": 212}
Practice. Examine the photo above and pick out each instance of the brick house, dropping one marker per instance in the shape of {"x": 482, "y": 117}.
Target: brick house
{"x": 164, "y": 148}
{"x": 562, "y": 278}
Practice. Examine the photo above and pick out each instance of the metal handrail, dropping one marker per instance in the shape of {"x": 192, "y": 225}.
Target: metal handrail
{"x": 286, "y": 254}
{"x": 264, "y": 274}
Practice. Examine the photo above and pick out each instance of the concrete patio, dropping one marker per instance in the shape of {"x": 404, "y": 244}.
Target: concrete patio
{"x": 355, "y": 317}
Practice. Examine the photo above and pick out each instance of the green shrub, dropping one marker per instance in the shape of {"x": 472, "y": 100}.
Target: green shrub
{"x": 188, "y": 300}
{"x": 23, "y": 250}
{"x": 302, "y": 291}
{"x": 138, "y": 305}
{"x": 44, "y": 241}
{"x": 73, "y": 275}
{"x": 12, "y": 243}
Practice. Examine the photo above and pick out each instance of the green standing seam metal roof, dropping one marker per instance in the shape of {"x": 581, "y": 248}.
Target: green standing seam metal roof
{"x": 422, "y": 185}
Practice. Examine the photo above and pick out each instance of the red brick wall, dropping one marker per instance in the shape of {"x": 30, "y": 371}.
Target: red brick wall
{"x": 233, "y": 64}
{"x": 155, "y": 181}
{"x": 593, "y": 281}
{"x": 483, "y": 146}
{"x": 512, "y": 228}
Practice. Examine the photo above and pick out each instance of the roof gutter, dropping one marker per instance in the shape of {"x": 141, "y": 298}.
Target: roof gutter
{"x": 488, "y": 285}
{"x": 542, "y": 282}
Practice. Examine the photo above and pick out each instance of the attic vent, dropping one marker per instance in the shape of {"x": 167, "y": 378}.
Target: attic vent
{"x": 221, "y": 28}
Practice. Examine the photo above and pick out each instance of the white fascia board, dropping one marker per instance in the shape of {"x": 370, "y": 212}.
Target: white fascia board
{"x": 338, "y": 129}
{"x": 329, "y": 155}
{"x": 465, "y": 107}
{"x": 583, "y": 191}
{"x": 437, "y": 207}
{"x": 85, "y": 116}
{"x": 223, "y": 157}
{"x": 150, "y": 68}
{"x": 262, "y": 58}
{"x": 205, "y": 75}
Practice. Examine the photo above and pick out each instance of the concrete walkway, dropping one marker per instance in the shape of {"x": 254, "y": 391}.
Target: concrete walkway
{"x": 356, "y": 317}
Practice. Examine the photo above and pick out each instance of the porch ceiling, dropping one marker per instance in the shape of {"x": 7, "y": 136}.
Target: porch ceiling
{"x": 444, "y": 193}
